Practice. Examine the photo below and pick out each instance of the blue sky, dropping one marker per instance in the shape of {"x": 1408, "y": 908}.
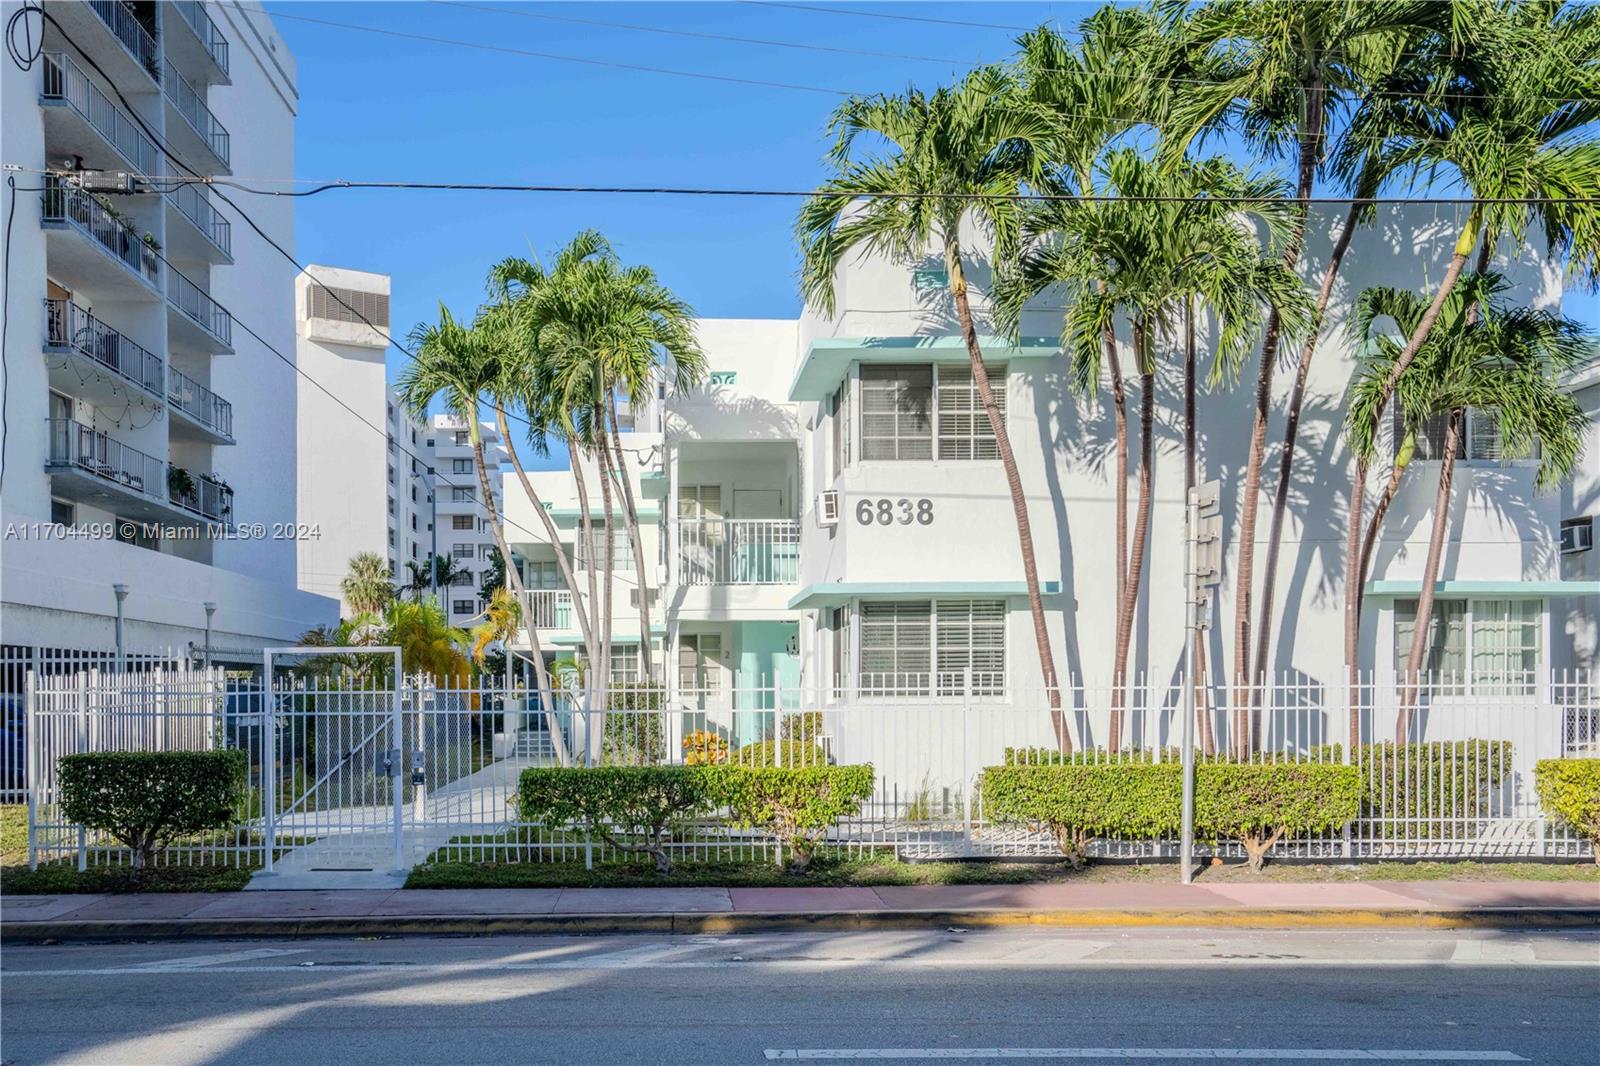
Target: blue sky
{"x": 386, "y": 108}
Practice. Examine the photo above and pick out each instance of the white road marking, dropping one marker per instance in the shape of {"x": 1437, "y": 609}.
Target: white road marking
{"x": 1337, "y": 1054}
{"x": 1493, "y": 951}
{"x": 191, "y": 962}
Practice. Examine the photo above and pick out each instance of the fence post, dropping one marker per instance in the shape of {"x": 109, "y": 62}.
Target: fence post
{"x": 1349, "y": 755}
{"x": 966, "y": 754}
{"x": 30, "y": 752}
{"x": 83, "y": 746}
{"x": 269, "y": 763}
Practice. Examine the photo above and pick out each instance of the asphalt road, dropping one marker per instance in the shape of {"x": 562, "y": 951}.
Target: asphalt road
{"x": 927, "y": 996}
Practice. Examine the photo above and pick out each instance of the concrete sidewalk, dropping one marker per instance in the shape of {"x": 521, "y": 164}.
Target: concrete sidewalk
{"x": 722, "y": 910}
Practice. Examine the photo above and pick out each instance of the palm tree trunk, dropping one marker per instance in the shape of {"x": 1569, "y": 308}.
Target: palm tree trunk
{"x": 603, "y": 456}
{"x": 1291, "y": 433}
{"x": 1141, "y": 530}
{"x": 1369, "y": 543}
{"x": 1190, "y": 480}
{"x": 541, "y": 676}
{"x": 1019, "y": 502}
{"x": 1447, "y": 284}
{"x": 1353, "y": 582}
{"x": 1119, "y": 412}
{"x": 563, "y": 564}
{"x": 1421, "y": 631}
{"x": 1249, "y": 501}
{"x": 599, "y": 618}
{"x": 630, "y": 514}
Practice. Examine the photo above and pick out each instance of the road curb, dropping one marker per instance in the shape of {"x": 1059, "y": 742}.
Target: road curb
{"x": 832, "y": 921}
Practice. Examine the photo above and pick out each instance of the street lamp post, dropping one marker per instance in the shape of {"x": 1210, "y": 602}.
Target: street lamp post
{"x": 121, "y": 591}
{"x": 211, "y": 609}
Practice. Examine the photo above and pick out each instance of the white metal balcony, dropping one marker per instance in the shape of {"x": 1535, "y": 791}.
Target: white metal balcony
{"x": 216, "y": 232}
{"x": 190, "y": 104}
{"x": 68, "y": 207}
{"x": 69, "y": 327}
{"x": 67, "y": 87}
{"x": 204, "y": 495}
{"x": 119, "y": 17}
{"x": 204, "y": 409}
{"x": 548, "y": 608}
{"x": 193, "y": 36}
{"x": 84, "y": 449}
{"x": 738, "y": 551}
{"x": 208, "y": 322}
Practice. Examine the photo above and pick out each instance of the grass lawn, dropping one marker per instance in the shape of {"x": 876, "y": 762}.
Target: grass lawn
{"x": 886, "y": 870}
{"x": 64, "y": 878}
{"x": 13, "y": 833}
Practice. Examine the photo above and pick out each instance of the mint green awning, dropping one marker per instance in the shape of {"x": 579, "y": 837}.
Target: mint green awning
{"x": 1499, "y": 589}
{"x": 839, "y": 592}
{"x": 827, "y": 359}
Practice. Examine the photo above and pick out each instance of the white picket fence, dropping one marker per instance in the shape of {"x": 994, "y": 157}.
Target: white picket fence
{"x": 430, "y": 769}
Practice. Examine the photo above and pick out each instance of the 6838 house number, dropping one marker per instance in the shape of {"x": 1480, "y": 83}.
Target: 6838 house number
{"x": 887, "y": 512}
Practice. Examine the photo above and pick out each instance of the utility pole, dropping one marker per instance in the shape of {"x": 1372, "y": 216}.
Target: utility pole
{"x": 1202, "y": 553}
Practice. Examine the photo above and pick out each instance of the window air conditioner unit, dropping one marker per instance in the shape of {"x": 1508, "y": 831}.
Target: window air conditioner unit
{"x": 828, "y": 508}
{"x": 1577, "y": 535}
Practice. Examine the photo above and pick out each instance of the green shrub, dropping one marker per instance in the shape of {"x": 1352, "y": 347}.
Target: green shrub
{"x": 1426, "y": 789}
{"x": 1259, "y": 804}
{"x": 796, "y": 805}
{"x": 146, "y": 799}
{"x": 635, "y": 809}
{"x": 1080, "y": 803}
{"x": 1090, "y": 757}
{"x": 802, "y": 728}
{"x": 1569, "y": 789}
{"x": 633, "y": 735}
{"x": 780, "y": 753}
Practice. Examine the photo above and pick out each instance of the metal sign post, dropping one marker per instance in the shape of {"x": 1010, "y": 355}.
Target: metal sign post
{"x": 1202, "y": 553}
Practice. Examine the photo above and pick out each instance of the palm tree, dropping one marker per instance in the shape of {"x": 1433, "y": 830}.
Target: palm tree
{"x": 960, "y": 153}
{"x": 1160, "y": 240}
{"x": 1502, "y": 364}
{"x": 450, "y": 362}
{"x": 1504, "y": 108}
{"x": 367, "y": 587}
{"x": 436, "y": 571}
{"x": 428, "y": 643}
{"x": 1278, "y": 71}
{"x": 501, "y": 618}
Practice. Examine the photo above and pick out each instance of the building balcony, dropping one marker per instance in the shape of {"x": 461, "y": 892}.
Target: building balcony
{"x": 203, "y": 496}
{"x": 112, "y": 32}
{"x": 95, "y": 245}
{"x": 196, "y": 42}
{"x": 195, "y": 230}
{"x": 548, "y": 608}
{"x": 197, "y": 411}
{"x": 81, "y": 121}
{"x": 71, "y": 329}
{"x": 196, "y": 320}
{"x": 199, "y": 133}
{"x": 738, "y": 551}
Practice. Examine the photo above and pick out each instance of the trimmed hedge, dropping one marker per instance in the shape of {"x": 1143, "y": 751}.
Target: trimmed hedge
{"x": 1080, "y": 803}
{"x": 635, "y": 809}
{"x": 780, "y": 753}
{"x": 796, "y": 805}
{"x": 1259, "y": 804}
{"x": 1569, "y": 789}
{"x": 1255, "y": 803}
{"x": 1424, "y": 787}
{"x": 147, "y": 799}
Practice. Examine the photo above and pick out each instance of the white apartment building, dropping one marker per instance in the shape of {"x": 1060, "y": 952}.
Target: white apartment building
{"x": 150, "y": 439}
{"x": 827, "y": 513}
{"x": 461, "y": 517}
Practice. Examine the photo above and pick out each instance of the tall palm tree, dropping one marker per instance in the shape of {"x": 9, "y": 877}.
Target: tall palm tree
{"x": 367, "y": 587}
{"x": 428, "y": 643}
{"x": 436, "y": 571}
{"x": 1278, "y": 71}
{"x": 502, "y": 617}
{"x": 1501, "y": 363}
{"x": 1505, "y": 109}
{"x": 1160, "y": 240}
{"x": 960, "y": 153}
{"x": 451, "y": 363}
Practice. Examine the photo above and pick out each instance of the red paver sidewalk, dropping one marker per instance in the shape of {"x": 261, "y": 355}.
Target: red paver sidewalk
{"x": 214, "y": 912}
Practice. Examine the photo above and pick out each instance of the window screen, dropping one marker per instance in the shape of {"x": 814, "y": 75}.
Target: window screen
{"x": 896, "y": 648}
{"x": 895, "y": 421}
{"x": 971, "y": 636}
{"x": 964, "y": 430}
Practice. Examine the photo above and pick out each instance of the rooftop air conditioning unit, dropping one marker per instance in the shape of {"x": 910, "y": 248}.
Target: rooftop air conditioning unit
{"x": 828, "y": 508}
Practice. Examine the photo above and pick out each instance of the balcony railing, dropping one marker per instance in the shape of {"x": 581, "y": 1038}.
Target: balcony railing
{"x": 209, "y": 315}
{"x": 549, "y": 608}
{"x": 69, "y": 326}
{"x": 200, "y": 403}
{"x": 189, "y": 200}
{"x": 194, "y": 16}
{"x": 65, "y": 80}
{"x": 67, "y": 203}
{"x": 192, "y": 106}
{"x": 74, "y": 444}
{"x": 738, "y": 551}
{"x": 119, "y": 17}
{"x": 206, "y": 497}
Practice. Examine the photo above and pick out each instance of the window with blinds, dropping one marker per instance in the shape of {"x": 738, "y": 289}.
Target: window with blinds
{"x": 588, "y": 553}
{"x": 1480, "y": 437}
{"x": 895, "y": 422}
{"x": 841, "y": 427}
{"x": 348, "y": 305}
{"x": 1490, "y": 647}
{"x": 922, "y": 648}
{"x": 963, "y": 424}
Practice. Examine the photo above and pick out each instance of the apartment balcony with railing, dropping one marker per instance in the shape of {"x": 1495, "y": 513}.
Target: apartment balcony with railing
{"x": 738, "y": 551}
{"x": 549, "y": 608}
{"x": 197, "y": 408}
{"x": 199, "y": 129}
{"x": 198, "y": 320}
{"x": 88, "y": 220}
{"x": 96, "y": 464}
{"x": 197, "y": 42}
{"x": 69, "y": 328}
{"x": 81, "y": 121}
{"x": 135, "y": 37}
{"x": 201, "y": 494}
{"x": 195, "y": 228}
